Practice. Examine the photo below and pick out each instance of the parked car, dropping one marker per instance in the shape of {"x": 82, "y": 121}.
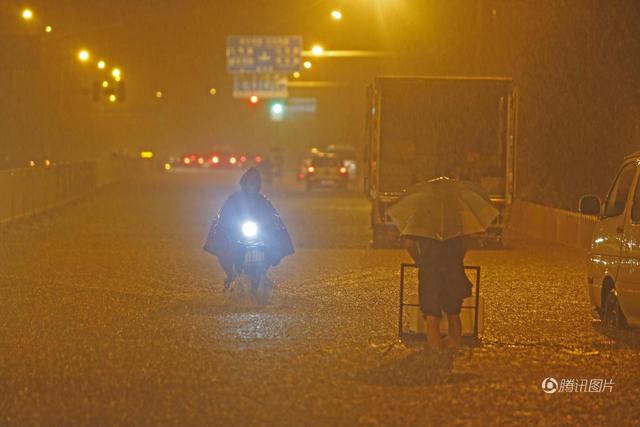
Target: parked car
{"x": 614, "y": 257}
{"x": 326, "y": 170}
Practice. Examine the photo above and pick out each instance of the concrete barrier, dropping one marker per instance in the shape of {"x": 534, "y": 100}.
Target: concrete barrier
{"x": 551, "y": 224}
{"x": 31, "y": 191}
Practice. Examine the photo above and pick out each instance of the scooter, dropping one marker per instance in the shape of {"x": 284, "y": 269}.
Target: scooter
{"x": 252, "y": 262}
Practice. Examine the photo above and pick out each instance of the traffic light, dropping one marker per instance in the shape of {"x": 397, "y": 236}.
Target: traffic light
{"x": 277, "y": 111}
{"x": 277, "y": 108}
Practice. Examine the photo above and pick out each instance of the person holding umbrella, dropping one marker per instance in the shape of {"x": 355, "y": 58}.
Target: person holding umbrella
{"x": 434, "y": 218}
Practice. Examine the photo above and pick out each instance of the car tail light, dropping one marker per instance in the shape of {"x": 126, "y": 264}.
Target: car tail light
{"x": 343, "y": 170}
{"x": 311, "y": 169}
{"x": 258, "y": 159}
{"x": 243, "y": 159}
{"x": 200, "y": 161}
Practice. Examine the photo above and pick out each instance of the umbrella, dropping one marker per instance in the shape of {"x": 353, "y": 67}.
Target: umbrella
{"x": 442, "y": 209}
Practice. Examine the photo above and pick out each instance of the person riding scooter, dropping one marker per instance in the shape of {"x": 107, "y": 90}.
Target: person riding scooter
{"x": 248, "y": 204}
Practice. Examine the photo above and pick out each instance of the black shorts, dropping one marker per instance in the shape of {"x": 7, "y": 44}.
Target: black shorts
{"x": 435, "y": 293}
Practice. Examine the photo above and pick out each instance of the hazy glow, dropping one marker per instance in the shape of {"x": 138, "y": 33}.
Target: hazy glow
{"x": 101, "y": 64}
{"x": 117, "y": 78}
{"x": 254, "y": 99}
{"x": 213, "y": 91}
{"x": 317, "y": 50}
{"x": 307, "y": 64}
{"x": 215, "y": 160}
{"x": 336, "y": 15}
{"x": 84, "y": 55}
{"x": 27, "y": 14}
{"x": 116, "y": 72}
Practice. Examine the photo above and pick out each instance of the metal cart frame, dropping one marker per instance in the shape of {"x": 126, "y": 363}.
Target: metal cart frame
{"x": 403, "y": 304}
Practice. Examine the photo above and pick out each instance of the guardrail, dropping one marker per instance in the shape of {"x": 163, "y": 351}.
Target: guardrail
{"x": 31, "y": 191}
{"x": 551, "y": 224}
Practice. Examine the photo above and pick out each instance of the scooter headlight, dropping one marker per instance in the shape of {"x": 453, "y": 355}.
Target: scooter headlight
{"x": 250, "y": 229}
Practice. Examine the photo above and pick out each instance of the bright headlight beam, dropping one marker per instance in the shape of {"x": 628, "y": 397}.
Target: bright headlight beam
{"x": 249, "y": 229}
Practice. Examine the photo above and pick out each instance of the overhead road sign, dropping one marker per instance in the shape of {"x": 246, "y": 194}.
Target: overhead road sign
{"x": 301, "y": 105}
{"x": 264, "y": 54}
{"x": 261, "y": 85}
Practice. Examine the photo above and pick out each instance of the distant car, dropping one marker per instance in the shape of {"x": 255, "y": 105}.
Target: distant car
{"x": 191, "y": 160}
{"x": 326, "y": 170}
{"x": 303, "y": 169}
{"x": 614, "y": 257}
{"x": 348, "y": 155}
{"x": 224, "y": 158}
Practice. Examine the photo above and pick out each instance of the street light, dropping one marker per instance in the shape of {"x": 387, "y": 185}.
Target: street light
{"x": 27, "y": 14}
{"x": 213, "y": 91}
{"x": 317, "y": 50}
{"x": 254, "y": 99}
{"x": 307, "y": 65}
{"x": 336, "y": 15}
{"x": 116, "y": 73}
{"x": 113, "y": 98}
{"x": 105, "y": 84}
{"x": 296, "y": 74}
{"x": 84, "y": 55}
{"x": 158, "y": 94}
{"x": 101, "y": 64}
{"x": 48, "y": 29}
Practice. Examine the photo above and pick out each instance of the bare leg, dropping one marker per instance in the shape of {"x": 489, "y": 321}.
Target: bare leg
{"x": 433, "y": 332}
{"x": 455, "y": 330}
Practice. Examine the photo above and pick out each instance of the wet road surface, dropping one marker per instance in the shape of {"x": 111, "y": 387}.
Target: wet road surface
{"x": 111, "y": 314}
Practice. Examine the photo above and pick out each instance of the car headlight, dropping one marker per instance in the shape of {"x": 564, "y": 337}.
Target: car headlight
{"x": 250, "y": 229}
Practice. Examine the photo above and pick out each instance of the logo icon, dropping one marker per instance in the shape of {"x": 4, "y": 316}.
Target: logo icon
{"x": 549, "y": 385}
